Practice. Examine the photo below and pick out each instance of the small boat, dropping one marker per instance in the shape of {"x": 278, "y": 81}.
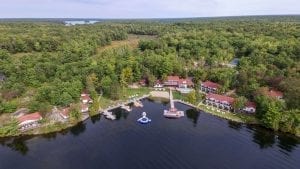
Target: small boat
{"x": 127, "y": 108}
{"x": 144, "y": 119}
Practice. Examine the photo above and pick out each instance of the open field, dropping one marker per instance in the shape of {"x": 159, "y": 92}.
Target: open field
{"x": 132, "y": 42}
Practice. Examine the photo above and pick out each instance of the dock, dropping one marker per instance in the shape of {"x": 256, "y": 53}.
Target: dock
{"x": 123, "y": 103}
{"x": 173, "y": 112}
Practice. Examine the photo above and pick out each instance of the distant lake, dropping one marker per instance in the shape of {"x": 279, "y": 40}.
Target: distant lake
{"x": 71, "y": 23}
{"x": 196, "y": 141}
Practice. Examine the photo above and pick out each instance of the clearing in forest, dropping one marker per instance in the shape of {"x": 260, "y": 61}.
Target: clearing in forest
{"x": 132, "y": 42}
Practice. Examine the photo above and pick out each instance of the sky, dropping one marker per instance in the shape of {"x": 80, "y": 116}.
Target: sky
{"x": 144, "y": 8}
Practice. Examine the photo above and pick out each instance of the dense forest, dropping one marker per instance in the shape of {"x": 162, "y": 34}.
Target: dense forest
{"x": 45, "y": 64}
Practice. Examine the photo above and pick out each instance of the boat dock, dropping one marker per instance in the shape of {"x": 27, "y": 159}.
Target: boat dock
{"x": 173, "y": 112}
{"x": 123, "y": 103}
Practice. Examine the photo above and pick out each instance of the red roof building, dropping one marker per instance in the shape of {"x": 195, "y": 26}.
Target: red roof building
{"x": 172, "y": 81}
{"x": 275, "y": 94}
{"x": 226, "y": 102}
{"x": 85, "y": 98}
{"x": 176, "y": 81}
{"x": 219, "y": 101}
{"x": 210, "y": 87}
{"x": 250, "y": 107}
{"x": 187, "y": 82}
{"x": 65, "y": 113}
{"x": 29, "y": 119}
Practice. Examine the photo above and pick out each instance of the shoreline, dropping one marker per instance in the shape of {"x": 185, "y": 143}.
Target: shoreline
{"x": 234, "y": 117}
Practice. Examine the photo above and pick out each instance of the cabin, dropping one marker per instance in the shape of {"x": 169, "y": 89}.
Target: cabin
{"x": 219, "y": 101}
{"x": 65, "y": 113}
{"x": 185, "y": 86}
{"x": 209, "y": 87}
{"x": 84, "y": 108}
{"x": 275, "y": 94}
{"x": 250, "y": 107}
{"x": 186, "y": 83}
{"x": 176, "y": 81}
{"x": 85, "y": 98}
{"x": 29, "y": 120}
{"x": 172, "y": 81}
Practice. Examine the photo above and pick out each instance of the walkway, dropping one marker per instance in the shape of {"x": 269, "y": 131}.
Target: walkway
{"x": 186, "y": 103}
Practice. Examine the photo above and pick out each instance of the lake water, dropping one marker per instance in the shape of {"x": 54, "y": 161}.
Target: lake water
{"x": 71, "y": 23}
{"x": 196, "y": 141}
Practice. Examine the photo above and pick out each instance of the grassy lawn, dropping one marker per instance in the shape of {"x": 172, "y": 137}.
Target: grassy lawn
{"x": 178, "y": 96}
{"x": 237, "y": 117}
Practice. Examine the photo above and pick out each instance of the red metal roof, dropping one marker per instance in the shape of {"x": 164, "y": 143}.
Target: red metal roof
{"x": 275, "y": 93}
{"x": 173, "y": 78}
{"x": 250, "y": 104}
{"x": 211, "y": 84}
{"x": 221, "y": 98}
{"x": 187, "y": 81}
{"x": 32, "y": 116}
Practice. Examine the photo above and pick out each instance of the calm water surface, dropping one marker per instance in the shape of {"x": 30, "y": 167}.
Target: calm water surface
{"x": 197, "y": 141}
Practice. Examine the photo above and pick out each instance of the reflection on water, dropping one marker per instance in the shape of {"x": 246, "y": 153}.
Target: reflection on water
{"x": 235, "y": 125}
{"x": 19, "y": 146}
{"x": 120, "y": 113}
{"x": 288, "y": 143}
{"x": 163, "y": 144}
{"x": 193, "y": 115}
{"x": 264, "y": 138}
{"x": 78, "y": 129}
{"x": 95, "y": 118}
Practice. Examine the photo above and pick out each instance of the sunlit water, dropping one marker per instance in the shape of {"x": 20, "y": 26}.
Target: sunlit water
{"x": 72, "y": 23}
{"x": 196, "y": 141}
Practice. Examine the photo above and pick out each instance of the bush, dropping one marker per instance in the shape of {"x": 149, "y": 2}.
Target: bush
{"x": 9, "y": 129}
{"x": 8, "y": 107}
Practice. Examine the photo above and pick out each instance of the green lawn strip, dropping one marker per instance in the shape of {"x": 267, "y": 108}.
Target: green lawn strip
{"x": 237, "y": 117}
